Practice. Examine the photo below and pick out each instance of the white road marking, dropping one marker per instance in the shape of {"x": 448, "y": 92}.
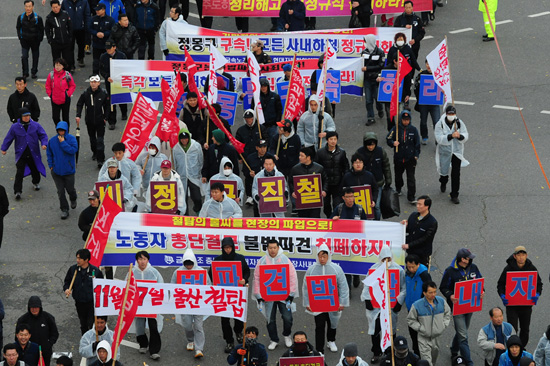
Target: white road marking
{"x": 504, "y": 22}
{"x": 461, "y": 30}
{"x": 194, "y": 15}
{"x": 464, "y": 103}
{"x": 507, "y": 107}
{"x": 545, "y": 112}
{"x": 46, "y": 98}
{"x": 427, "y": 37}
{"x": 126, "y": 343}
{"x": 539, "y": 14}
{"x": 42, "y": 80}
{"x": 82, "y": 361}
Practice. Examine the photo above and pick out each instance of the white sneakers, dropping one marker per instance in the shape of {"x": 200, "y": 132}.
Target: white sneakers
{"x": 288, "y": 341}
{"x": 250, "y": 201}
{"x": 272, "y": 345}
{"x": 190, "y": 346}
{"x": 198, "y": 354}
{"x": 332, "y": 346}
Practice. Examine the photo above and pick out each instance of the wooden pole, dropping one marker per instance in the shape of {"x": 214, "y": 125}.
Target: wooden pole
{"x": 244, "y": 343}
{"x": 207, "y": 128}
{"x": 117, "y": 340}
{"x": 259, "y": 128}
{"x": 398, "y": 101}
{"x": 244, "y": 161}
{"x": 278, "y": 145}
{"x": 389, "y": 311}
{"x": 450, "y": 77}
{"x": 322, "y": 102}
{"x": 72, "y": 281}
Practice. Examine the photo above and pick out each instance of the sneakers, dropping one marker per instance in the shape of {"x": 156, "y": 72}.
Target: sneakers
{"x": 272, "y": 345}
{"x": 34, "y": 76}
{"x": 249, "y": 201}
{"x": 455, "y": 200}
{"x": 288, "y": 341}
{"x": 443, "y": 187}
{"x": 87, "y": 49}
{"x": 198, "y": 354}
{"x": 294, "y": 213}
{"x": 111, "y": 127}
{"x": 413, "y": 201}
{"x": 73, "y": 204}
{"x": 424, "y": 141}
{"x": 398, "y": 192}
{"x": 332, "y": 346}
{"x": 64, "y": 215}
{"x": 229, "y": 347}
{"x": 370, "y": 121}
{"x": 143, "y": 350}
{"x": 36, "y": 187}
{"x": 190, "y": 346}
{"x": 18, "y": 196}
{"x": 155, "y": 356}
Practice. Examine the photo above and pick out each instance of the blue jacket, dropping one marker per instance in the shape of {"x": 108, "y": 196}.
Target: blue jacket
{"x": 79, "y": 12}
{"x": 414, "y": 284}
{"x": 409, "y": 142}
{"x": 505, "y": 360}
{"x": 147, "y": 16}
{"x": 113, "y": 8}
{"x": 296, "y": 21}
{"x": 256, "y": 355}
{"x": 453, "y": 274}
{"x": 61, "y": 155}
{"x": 100, "y": 24}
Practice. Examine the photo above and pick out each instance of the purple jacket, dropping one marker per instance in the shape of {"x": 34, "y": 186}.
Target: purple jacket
{"x": 34, "y": 138}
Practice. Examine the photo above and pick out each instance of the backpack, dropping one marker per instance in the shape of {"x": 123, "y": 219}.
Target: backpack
{"x": 67, "y": 76}
{"x": 21, "y": 20}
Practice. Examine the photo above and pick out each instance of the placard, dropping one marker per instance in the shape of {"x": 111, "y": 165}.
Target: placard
{"x": 469, "y": 298}
{"x": 274, "y": 282}
{"x": 226, "y": 273}
{"x": 308, "y": 190}
{"x": 323, "y": 293}
{"x": 521, "y": 287}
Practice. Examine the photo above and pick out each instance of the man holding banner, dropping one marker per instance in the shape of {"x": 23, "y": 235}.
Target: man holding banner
{"x": 268, "y": 171}
{"x": 462, "y": 269}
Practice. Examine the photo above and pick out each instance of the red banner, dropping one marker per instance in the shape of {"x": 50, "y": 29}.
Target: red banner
{"x": 226, "y": 273}
{"x": 323, "y": 293}
{"x": 363, "y": 197}
{"x": 143, "y": 119}
{"x": 403, "y": 70}
{"x": 396, "y": 6}
{"x": 192, "y": 70}
{"x": 164, "y": 197}
{"x": 296, "y": 95}
{"x": 469, "y": 298}
{"x": 97, "y": 240}
{"x": 169, "y": 123}
{"x": 521, "y": 287}
{"x": 274, "y": 282}
{"x": 239, "y": 146}
{"x": 302, "y": 361}
{"x": 130, "y": 309}
{"x": 191, "y": 277}
{"x": 114, "y": 190}
{"x": 308, "y": 190}
{"x": 230, "y": 187}
{"x": 395, "y": 287}
{"x": 272, "y": 194}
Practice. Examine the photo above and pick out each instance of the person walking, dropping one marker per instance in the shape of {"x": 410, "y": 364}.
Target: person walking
{"x": 59, "y": 32}
{"x": 30, "y": 31}
{"x": 60, "y": 87}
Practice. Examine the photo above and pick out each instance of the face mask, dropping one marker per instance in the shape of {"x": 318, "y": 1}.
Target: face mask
{"x": 451, "y": 118}
{"x": 152, "y": 152}
{"x": 250, "y": 342}
{"x": 227, "y": 172}
{"x": 400, "y": 43}
{"x": 300, "y": 347}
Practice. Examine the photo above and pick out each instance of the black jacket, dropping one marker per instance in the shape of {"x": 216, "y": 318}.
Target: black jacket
{"x": 97, "y": 105}
{"x": 413, "y": 20}
{"x": 43, "y": 328}
{"x": 360, "y": 178}
{"x": 86, "y": 219}
{"x": 374, "y": 62}
{"x": 378, "y": 164}
{"x": 126, "y": 39}
{"x": 102, "y": 24}
{"x": 288, "y": 152}
{"x": 272, "y": 108}
{"x": 512, "y": 266}
{"x": 108, "y": 363}
{"x": 196, "y": 122}
{"x": 147, "y": 16}
{"x": 232, "y": 257}
{"x": 263, "y": 58}
{"x": 256, "y": 163}
{"x": 420, "y": 234}
{"x": 409, "y": 142}
{"x": 19, "y": 100}
{"x": 59, "y": 28}
{"x": 249, "y": 136}
{"x": 83, "y": 284}
{"x": 30, "y": 355}
{"x": 230, "y": 87}
{"x": 310, "y": 352}
{"x": 105, "y": 62}
{"x": 364, "y": 7}
{"x": 406, "y": 51}
{"x": 30, "y": 28}
{"x": 410, "y": 360}
{"x": 213, "y": 157}
{"x": 302, "y": 169}
{"x": 255, "y": 356}
{"x": 336, "y": 164}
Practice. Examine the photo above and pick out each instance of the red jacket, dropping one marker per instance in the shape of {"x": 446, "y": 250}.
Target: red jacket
{"x": 61, "y": 87}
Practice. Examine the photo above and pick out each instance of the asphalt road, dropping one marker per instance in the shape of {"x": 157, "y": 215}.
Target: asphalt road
{"x": 504, "y": 196}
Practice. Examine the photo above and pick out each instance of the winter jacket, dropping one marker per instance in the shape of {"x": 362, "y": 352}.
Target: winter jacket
{"x": 188, "y": 161}
{"x": 289, "y": 151}
{"x": 336, "y": 164}
{"x": 354, "y": 212}
{"x": 109, "y": 360}
{"x": 232, "y": 177}
{"x": 83, "y": 283}
{"x": 358, "y": 361}
{"x": 414, "y": 284}
{"x": 127, "y": 188}
{"x": 296, "y": 21}
{"x": 376, "y": 161}
{"x": 408, "y": 53}
{"x": 410, "y": 360}
{"x": 113, "y": 8}
{"x": 79, "y": 12}
{"x": 150, "y": 164}
{"x": 360, "y": 178}
{"x": 33, "y": 138}
{"x": 62, "y": 155}
{"x": 162, "y": 31}
{"x": 87, "y": 349}
{"x": 256, "y": 162}
{"x": 409, "y": 142}
{"x": 30, "y": 28}
{"x": 97, "y": 105}
{"x": 129, "y": 169}
{"x": 255, "y": 355}
{"x": 505, "y": 357}
{"x": 308, "y": 126}
{"x": 102, "y": 24}
{"x": 125, "y": 38}
{"x": 417, "y": 26}
{"x": 30, "y": 355}
{"x": 233, "y": 256}
{"x": 417, "y": 83}
{"x": 175, "y": 177}
{"x": 374, "y": 62}
{"x": 263, "y": 58}
{"x": 61, "y": 87}
{"x": 455, "y": 273}
{"x": 303, "y": 169}
{"x": 447, "y": 145}
{"x": 262, "y": 174}
{"x": 486, "y": 340}
{"x": 23, "y": 100}
{"x": 105, "y": 62}
{"x": 512, "y": 266}
{"x": 195, "y": 121}
{"x": 225, "y": 209}
{"x": 430, "y": 322}
{"x": 310, "y": 352}
{"x": 42, "y": 327}
{"x": 272, "y": 108}
{"x": 249, "y": 136}
{"x": 420, "y": 234}
{"x": 364, "y": 7}
{"x": 213, "y": 157}
{"x": 147, "y": 16}
{"x": 317, "y": 269}
{"x": 86, "y": 219}
{"x": 542, "y": 353}
{"x": 59, "y": 28}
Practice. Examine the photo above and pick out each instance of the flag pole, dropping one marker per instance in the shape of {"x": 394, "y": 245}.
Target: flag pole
{"x": 244, "y": 336}
{"x": 322, "y": 103}
{"x": 389, "y": 311}
{"x": 121, "y": 316}
{"x": 398, "y": 101}
{"x": 286, "y": 100}
{"x": 450, "y": 75}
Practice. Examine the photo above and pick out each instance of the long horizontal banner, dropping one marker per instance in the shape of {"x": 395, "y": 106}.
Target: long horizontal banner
{"x": 167, "y": 298}
{"x": 314, "y": 8}
{"x": 355, "y": 244}
{"x": 280, "y": 46}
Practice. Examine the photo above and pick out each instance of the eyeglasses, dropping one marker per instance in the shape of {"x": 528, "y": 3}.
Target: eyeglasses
{"x": 95, "y": 78}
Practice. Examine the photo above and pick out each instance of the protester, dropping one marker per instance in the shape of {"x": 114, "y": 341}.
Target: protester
{"x": 450, "y": 134}
{"x": 256, "y": 162}
{"x": 90, "y": 340}
{"x": 285, "y": 147}
{"x": 292, "y": 16}
{"x": 87, "y": 216}
{"x": 42, "y": 327}
{"x": 269, "y": 170}
{"x": 30, "y": 31}
{"x": 175, "y": 16}
{"x": 4, "y": 210}
{"x": 220, "y": 206}
{"x": 29, "y": 137}
{"x": 492, "y": 337}
{"x": 127, "y": 167}
{"x": 195, "y": 118}
{"x": 313, "y": 128}
{"x": 518, "y": 261}
{"x": 251, "y": 353}
{"x": 402, "y": 356}
{"x": 362, "y": 9}
{"x": 99, "y": 27}
{"x": 374, "y": 58}
{"x": 515, "y": 350}
{"x": 425, "y": 109}
{"x": 149, "y": 162}
{"x": 250, "y": 133}
{"x": 206, "y": 22}
{"x": 166, "y": 173}
{"x": 60, "y": 87}
{"x": 300, "y": 347}
{"x": 147, "y": 24}
{"x": 542, "y": 352}
{"x": 304, "y": 167}
{"x": 28, "y": 351}
{"x": 350, "y": 356}
{"x": 421, "y": 230}
{"x": 113, "y": 173}
{"x": 258, "y": 52}
{"x": 79, "y": 13}
{"x": 416, "y": 274}
{"x": 113, "y": 7}
{"x": 125, "y": 36}
{"x": 272, "y": 108}
{"x": 226, "y": 174}
{"x": 488, "y": 9}
{"x": 413, "y": 22}
{"x": 275, "y": 255}
{"x": 22, "y": 98}
{"x": 359, "y": 176}
{"x": 188, "y": 160}
{"x": 64, "y": 361}
{"x": 82, "y": 288}
{"x": 59, "y": 32}
{"x": 11, "y": 357}
{"x": 111, "y": 53}
{"x": 104, "y": 357}
{"x": 218, "y": 149}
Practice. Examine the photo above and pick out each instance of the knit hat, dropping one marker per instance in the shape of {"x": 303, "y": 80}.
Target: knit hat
{"x": 24, "y": 111}
{"x": 287, "y": 67}
{"x": 350, "y": 350}
{"x": 219, "y": 136}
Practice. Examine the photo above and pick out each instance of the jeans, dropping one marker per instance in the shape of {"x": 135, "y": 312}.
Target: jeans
{"x": 455, "y": 176}
{"x": 400, "y": 167}
{"x": 321, "y": 321}
{"x": 64, "y": 183}
{"x": 377, "y": 212}
{"x": 434, "y": 111}
{"x": 25, "y": 48}
{"x": 286, "y": 314}
{"x": 25, "y": 160}
{"x": 154, "y": 343}
{"x": 460, "y": 340}
{"x": 523, "y": 315}
{"x": 371, "y": 92}
{"x": 226, "y": 329}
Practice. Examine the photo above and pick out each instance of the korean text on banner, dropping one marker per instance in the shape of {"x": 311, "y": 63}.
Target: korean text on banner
{"x": 308, "y": 191}
{"x": 141, "y": 122}
{"x": 272, "y": 194}
{"x": 274, "y": 282}
{"x": 226, "y": 273}
{"x": 469, "y": 297}
{"x": 377, "y": 281}
{"x": 97, "y": 240}
{"x": 302, "y": 361}
{"x": 395, "y": 288}
{"x": 521, "y": 287}
{"x": 438, "y": 60}
{"x": 127, "y": 313}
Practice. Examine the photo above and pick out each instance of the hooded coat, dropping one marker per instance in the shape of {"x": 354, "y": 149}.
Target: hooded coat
{"x": 358, "y": 361}
{"x": 329, "y": 268}
{"x": 87, "y": 341}
{"x": 129, "y": 169}
{"x": 43, "y": 328}
{"x": 374, "y": 58}
{"x": 188, "y": 160}
{"x": 250, "y": 135}
{"x": 506, "y": 358}
{"x": 233, "y": 256}
{"x": 230, "y": 177}
{"x": 542, "y": 353}
{"x": 62, "y": 155}
{"x": 447, "y": 146}
{"x": 280, "y": 258}
{"x": 33, "y": 138}
{"x": 385, "y": 252}
{"x": 455, "y": 273}
{"x": 289, "y": 151}
{"x": 376, "y": 161}
{"x": 152, "y": 165}
{"x": 128, "y": 190}
{"x": 225, "y": 209}
{"x": 512, "y": 266}
{"x": 109, "y": 360}
{"x": 308, "y": 125}
{"x": 182, "y": 201}
{"x": 213, "y": 157}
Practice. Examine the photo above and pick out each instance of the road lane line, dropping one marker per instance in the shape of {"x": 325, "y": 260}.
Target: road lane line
{"x": 504, "y": 22}
{"x": 507, "y": 107}
{"x": 539, "y": 14}
{"x": 461, "y": 30}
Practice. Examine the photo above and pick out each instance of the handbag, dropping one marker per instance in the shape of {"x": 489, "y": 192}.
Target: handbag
{"x": 389, "y": 203}
{"x": 354, "y": 22}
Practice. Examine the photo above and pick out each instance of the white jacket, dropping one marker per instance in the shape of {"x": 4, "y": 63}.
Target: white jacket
{"x": 447, "y": 148}
{"x": 308, "y": 125}
{"x": 151, "y": 163}
{"x": 174, "y": 177}
{"x": 128, "y": 169}
{"x": 127, "y": 190}
{"x": 86, "y": 344}
{"x": 225, "y": 209}
{"x": 188, "y": 164}
{"x": 231, "y": 177}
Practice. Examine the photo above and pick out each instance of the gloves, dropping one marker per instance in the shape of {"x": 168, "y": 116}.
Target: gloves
{"x": 94, "y": 346}
{"x": 504, "y": 300}
{"x": 397, "y": 308}
{"x": 368, "y": 305}
{"x": 178, "y": 212}
{"x": 535, "y": 298}
{"x": 165, "y": 52}
{"x": 290, "y": 298}
{"x": 241, "y": 351}
{"x": 257, "y": 198}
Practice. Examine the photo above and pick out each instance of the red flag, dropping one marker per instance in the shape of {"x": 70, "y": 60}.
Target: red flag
{"x": 97, "y": 240}
{"x": 191, "y": 70}
{"x": 41, "y": 360}
{"x": 296, "y": 95}
{"x": 403, "y": 69}
{"x": 127, "y": 312}
{"x": 143, "y": 119}
{"x": 239, "y": 146}
{"x": 169, "y": 124}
